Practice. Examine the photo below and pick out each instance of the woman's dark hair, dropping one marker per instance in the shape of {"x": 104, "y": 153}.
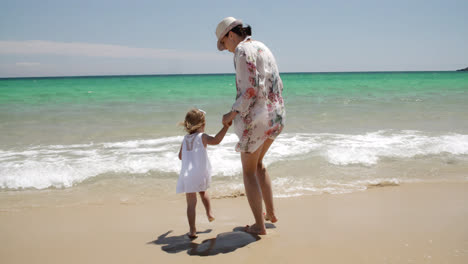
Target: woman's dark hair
{"x": 242, "y": 31}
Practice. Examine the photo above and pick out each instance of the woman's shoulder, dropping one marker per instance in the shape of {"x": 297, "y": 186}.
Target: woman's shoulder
{"x": 261, "y": 46}
{"x": 252, "y": 46}
{"x": 240, "y": 50}
{"x": 247, "y": 48}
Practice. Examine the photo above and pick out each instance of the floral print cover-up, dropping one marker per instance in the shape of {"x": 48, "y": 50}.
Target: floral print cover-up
{"x": 259, "y": 100}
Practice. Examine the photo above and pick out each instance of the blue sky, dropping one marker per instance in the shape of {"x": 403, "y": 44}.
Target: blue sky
{"x": 64, "y": 38}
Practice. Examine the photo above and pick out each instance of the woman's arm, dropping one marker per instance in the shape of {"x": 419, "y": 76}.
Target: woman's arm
{"x": 246, "y": 82}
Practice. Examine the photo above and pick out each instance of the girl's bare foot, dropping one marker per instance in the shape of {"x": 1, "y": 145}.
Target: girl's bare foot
{"x": 271, "y": 218}
{"x": 210, "y": 216}
{"x": 254, "y": 230}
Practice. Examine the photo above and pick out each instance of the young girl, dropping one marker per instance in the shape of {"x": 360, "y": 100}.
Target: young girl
{"x": 195, "y": 175}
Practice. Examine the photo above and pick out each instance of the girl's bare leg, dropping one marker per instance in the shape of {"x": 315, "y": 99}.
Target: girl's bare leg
{"x": 252, "y": 190}
{"x": 265, "y": 183}
{"x": 206, "y": 202}
{"x": 191, "y": 213}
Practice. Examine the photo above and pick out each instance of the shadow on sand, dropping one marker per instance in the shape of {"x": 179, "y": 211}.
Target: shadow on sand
{"x": 223, "y": 243}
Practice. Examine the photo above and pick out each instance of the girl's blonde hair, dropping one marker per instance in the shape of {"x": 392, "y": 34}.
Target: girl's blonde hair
{"x": 194, "y": 119}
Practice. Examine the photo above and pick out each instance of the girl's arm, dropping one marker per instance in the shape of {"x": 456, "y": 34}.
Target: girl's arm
{"x": 209, "y": 140}
{"x": 180, "y": 151}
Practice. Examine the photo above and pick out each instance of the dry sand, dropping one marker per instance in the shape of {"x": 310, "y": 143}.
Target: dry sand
{"x": 411, "y": 223}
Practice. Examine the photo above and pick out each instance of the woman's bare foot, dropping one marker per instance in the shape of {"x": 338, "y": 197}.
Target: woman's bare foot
{"x": 192, "y": 235}
{"x": 254, "y": 230}
{"x": 271, "y": 218}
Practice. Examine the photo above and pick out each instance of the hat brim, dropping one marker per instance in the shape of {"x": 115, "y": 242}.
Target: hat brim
{"x": 221, "y": 46}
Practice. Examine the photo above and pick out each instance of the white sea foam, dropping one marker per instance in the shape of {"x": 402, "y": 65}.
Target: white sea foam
{"x": 369, "y": 148}
{"x": 65, "y": 165}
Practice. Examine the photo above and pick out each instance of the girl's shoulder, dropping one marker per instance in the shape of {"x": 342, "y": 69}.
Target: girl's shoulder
{"x": 204, "y": 138}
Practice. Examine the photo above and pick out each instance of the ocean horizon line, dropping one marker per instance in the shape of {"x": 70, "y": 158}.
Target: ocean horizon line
{"x": 202, "y": 74}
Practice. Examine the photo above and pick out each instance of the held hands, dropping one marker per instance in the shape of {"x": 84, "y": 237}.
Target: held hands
{"x": 227, "y": 118}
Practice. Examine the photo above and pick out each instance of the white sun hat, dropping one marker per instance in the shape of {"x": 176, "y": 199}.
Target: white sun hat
{"x": 224, "y": 27}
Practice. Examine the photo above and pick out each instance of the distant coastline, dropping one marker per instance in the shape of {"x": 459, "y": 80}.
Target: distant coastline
{"x": 206, "y": 74}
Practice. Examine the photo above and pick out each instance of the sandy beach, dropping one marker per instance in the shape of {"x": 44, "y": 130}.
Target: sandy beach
{"x": 364, "y": 100}
{"x": 411, "y": 223}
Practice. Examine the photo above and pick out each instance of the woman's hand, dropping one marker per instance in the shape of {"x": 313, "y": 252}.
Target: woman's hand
{"x": 227, "y": 118}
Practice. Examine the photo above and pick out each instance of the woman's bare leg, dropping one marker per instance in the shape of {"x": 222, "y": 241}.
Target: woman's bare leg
{"x": 191, "y": 213}
{"x": 252, "y": 190}
{"x": 206, "y": 202}
{"x": 265, "y": 183}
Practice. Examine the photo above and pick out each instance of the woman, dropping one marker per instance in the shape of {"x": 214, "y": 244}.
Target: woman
{"x": 258, "y": 113}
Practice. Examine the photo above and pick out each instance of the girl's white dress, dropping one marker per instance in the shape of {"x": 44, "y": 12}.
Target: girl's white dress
{"x": 195, "y": 174}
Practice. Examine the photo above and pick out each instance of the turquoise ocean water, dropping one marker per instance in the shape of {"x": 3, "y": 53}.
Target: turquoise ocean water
{"x": 344, "y": 131}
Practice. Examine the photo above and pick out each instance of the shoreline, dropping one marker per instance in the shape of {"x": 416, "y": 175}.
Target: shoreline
{"x": 409, "y": 223}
